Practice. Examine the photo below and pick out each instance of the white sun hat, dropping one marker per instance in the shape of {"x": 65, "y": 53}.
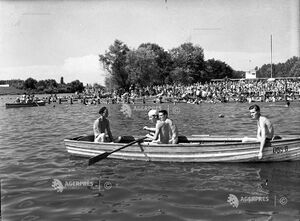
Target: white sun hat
{"x": 152, "y": 112}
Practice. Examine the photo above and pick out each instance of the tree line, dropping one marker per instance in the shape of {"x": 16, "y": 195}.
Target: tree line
{"x": 49, "y": 86}
{"x": 150, "y": 64}
{"x": 291, "y": 68}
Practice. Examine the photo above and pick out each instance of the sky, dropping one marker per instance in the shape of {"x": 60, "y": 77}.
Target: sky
{"x": 54, "y": 39}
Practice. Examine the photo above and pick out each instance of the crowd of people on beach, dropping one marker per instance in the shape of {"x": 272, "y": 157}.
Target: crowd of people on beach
{"x": 214, "y": 92}
{"x": 259, "y": 90}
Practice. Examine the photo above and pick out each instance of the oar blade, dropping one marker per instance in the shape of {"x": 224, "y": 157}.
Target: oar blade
{"x": 98, "y": 158}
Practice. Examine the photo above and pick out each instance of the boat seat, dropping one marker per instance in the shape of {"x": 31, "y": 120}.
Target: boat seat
{"x": 86, "y": 138}
{"x": 276, "y": 137}
{"x": 183, "y": 139}
{"x": 126, "y": 139}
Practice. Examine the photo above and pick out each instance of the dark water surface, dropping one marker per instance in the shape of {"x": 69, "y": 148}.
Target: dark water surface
{"x": 32, "y": 155}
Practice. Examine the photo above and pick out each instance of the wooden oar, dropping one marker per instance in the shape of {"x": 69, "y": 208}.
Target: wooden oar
{"x": 104, "y": 155}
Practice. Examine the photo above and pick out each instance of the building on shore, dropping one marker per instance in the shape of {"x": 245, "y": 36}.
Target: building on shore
{"x": 251, "y": 74}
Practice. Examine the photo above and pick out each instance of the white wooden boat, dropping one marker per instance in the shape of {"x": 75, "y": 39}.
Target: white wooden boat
{"x": 190, "y": 149}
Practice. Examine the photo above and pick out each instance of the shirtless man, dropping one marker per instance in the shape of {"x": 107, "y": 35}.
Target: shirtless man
{"x": 163, "y": 116}
{"x": 265, "y": 130}
{"x": 161, "y": 130}
{"x": 101, "y": 127}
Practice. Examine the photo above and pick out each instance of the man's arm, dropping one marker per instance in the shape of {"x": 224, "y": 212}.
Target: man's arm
{"x": 174, "y": 130}
{"x": 262, "y": 138}
{"x": 108, "y": 131}
{"x": 96, "y": 128}
{"x": 151, "y": 129}
{"x": 156, "y": 134}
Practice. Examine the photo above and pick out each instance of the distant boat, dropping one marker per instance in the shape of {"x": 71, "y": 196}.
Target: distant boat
{"x": 190, "y": 149}
{"x": 31, "y": 104}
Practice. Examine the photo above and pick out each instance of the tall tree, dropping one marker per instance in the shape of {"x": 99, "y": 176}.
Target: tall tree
{"x": 41, "y": 85}
{"x": 218, "y": 69}
{"x": 76, "y": 86}
{"x": 295, "y": 70}
{"x": 189, "y": 61}
{"x": 286, "y": 69}
{"x": 163, "y": 62}
{"x": 142, "y": 67}
{"x": 114, "y": 61}
{"x": 30, "y": 83}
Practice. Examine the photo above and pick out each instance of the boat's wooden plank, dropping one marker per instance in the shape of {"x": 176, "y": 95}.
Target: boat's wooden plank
{"x": 240, "y": 158}
{"x": 269, "y": 155}
{"x": 180, "y": 147}
{"x": 279, "y": 150}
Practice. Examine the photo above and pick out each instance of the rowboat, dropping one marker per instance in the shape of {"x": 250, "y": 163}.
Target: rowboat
{"x": 190, "y": 149}
{"x": 31, "y": 104}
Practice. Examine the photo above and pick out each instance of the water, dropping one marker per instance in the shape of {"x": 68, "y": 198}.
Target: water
{"x": 33, "y": 154}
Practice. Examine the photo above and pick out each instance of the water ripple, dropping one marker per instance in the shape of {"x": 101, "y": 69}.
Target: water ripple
{"x": 32, "y": 155}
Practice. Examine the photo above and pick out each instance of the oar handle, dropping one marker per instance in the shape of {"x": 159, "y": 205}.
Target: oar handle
{"x": 133, "y": 142}
{"x": 106, "y": 154}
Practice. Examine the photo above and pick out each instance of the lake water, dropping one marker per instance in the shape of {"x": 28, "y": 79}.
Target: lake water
{"x": 32, "y": 155}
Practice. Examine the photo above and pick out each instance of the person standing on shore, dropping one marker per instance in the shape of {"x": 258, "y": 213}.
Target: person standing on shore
{"x": 265, "y": 129}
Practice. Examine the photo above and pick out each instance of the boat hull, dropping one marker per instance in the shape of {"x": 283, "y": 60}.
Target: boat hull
{"x": 193, "y": 150}
{"x": 33, "y": 104}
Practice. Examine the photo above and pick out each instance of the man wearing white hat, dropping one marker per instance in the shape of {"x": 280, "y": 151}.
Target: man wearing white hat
{"x": 161, "y": 130}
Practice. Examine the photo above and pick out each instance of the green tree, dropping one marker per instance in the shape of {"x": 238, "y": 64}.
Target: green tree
{"x": 188, "y": 60}
{"x": 238, "y": 74}
{"x": 163, "y": 62}
{"x": 286, "y": 69}
{"x": 51, "y": 83}
{"x": 295, "y": 70}
{"x": 41, "y": 85}
{"x": 76, "y": 86}
{"x": 218, "y": 69}
{"x": 114, "y": 62}
{"x": 142, "y": 67}
{"x": 30, "y": 83}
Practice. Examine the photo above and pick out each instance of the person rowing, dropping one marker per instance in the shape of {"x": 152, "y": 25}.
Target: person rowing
{"x": 159, "y": 134}
{"x": 265, "y": 129}
{"x": 163, "y": 116}
{"x": 101, "y": 127}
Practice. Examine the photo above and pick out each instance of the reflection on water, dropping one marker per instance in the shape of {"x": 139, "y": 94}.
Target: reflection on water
{"x": 32, "y": 155}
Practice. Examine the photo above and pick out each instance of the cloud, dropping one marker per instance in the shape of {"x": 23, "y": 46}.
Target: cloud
{"x": 86, "y": 69}
{"x": 38, "y": 72}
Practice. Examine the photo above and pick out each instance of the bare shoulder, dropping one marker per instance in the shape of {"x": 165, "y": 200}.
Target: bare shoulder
{"x": 264, "y": 120}
{"x": 169, "y": 121}
{"x": 159, "y": 124}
